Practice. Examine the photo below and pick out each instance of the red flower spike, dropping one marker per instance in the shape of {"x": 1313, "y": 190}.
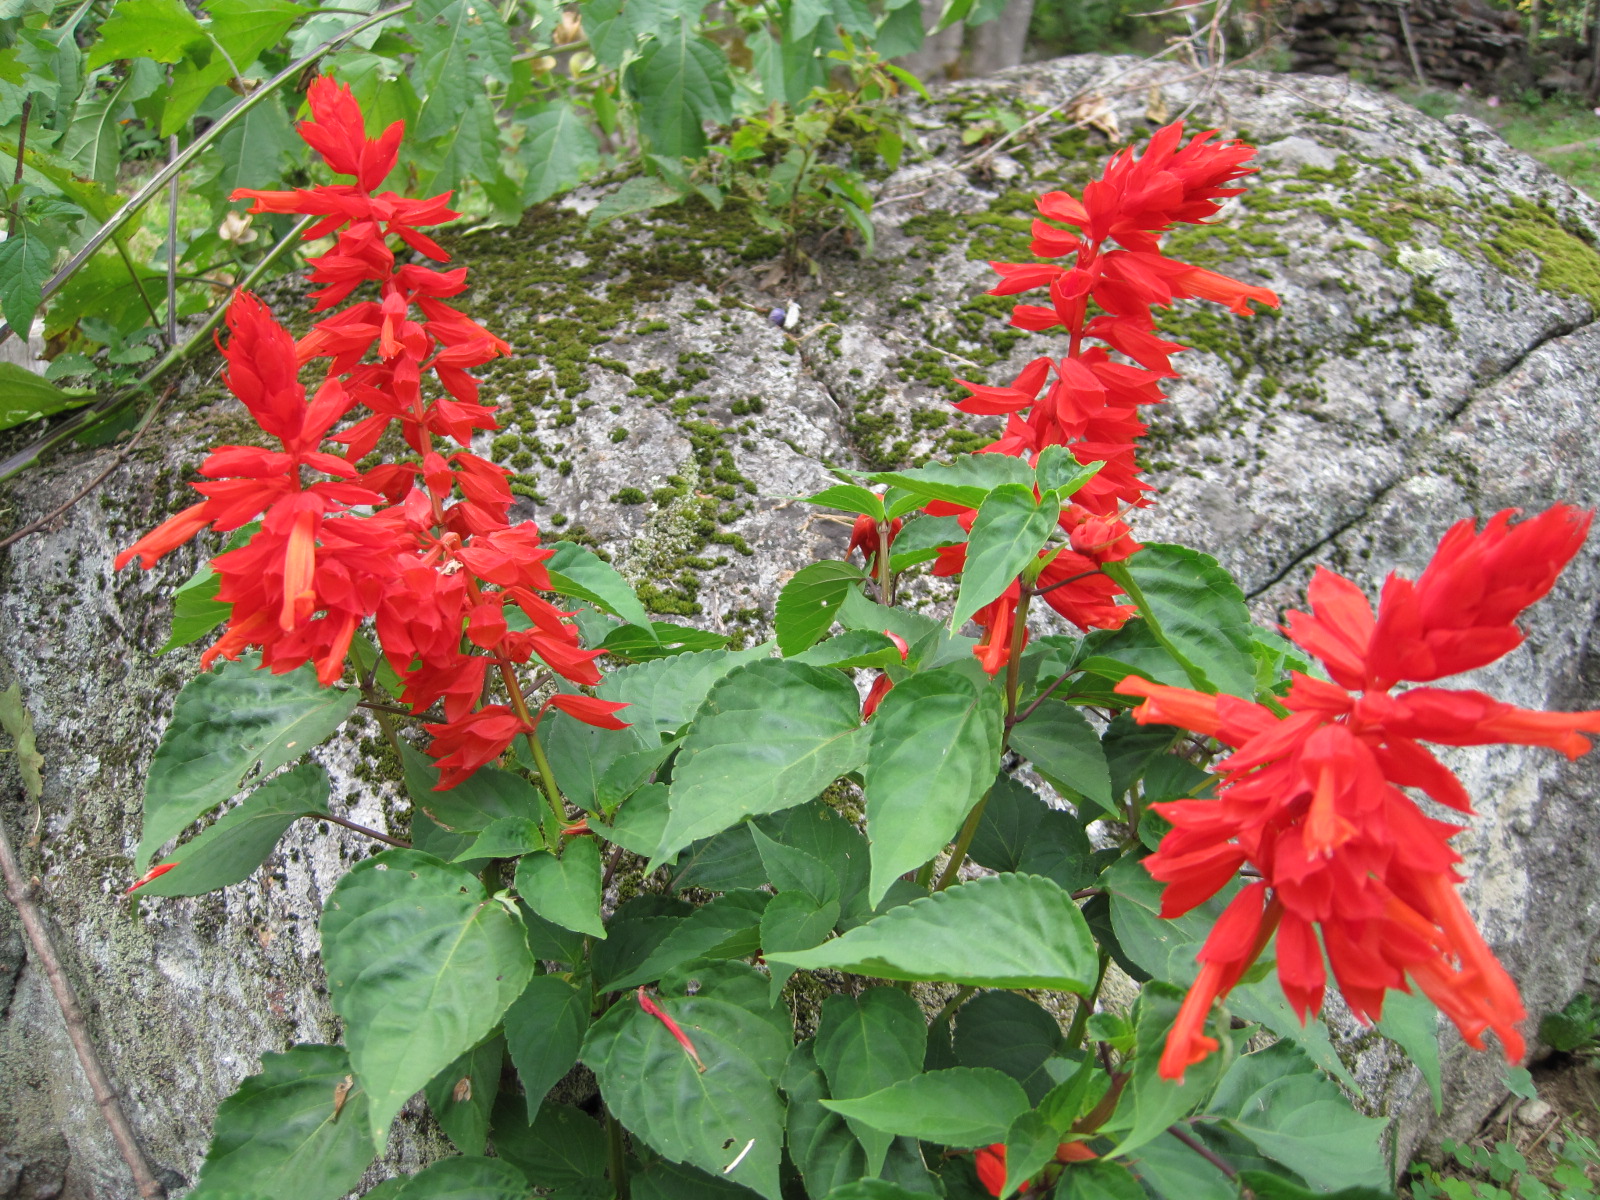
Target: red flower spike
{"x": 152, "y": 874}
{"x": 1313, "y": 802}
{"x": 682, "y": 1039}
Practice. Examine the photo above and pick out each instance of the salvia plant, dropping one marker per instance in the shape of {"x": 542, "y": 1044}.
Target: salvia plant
{"x": 832, "y": 916}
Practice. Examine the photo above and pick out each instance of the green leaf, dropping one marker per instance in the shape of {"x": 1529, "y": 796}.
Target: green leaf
{"x": 278, "y": 1135}
{"x": 721, "y": 862}
{"x": 1004, "y": 931}
{"x": 461, "y": 47}
{"x": 1197, "y": 611}
{"x": 680, "y": 80}
{"x": 421, "y": 964}
{"x": 874, "y": 1189}
{"x": 770, "y": 735}
{"x": 1296, "y": 1116}
{"x": 809, "y": 603}
{"x": 196, "y": 611}
{"x": 565, "y": 890}
{"x": 850, "y": 498}
{"x": 1266, "y": 1186}
{"x": 1062, "y": 745}
{"x": 966, "y": 481}
{"x": 632, "y": 935}
{"x": 1150, "y": 1102}
{"x": 639, "y": 194}
{"x": 504, "y": 837}
{"x": 1059, "y": 471}
{"x": 791, "y": 869}
{"x": 960, "y": 1107}
{"x": 599, "y": 768}
{"x": 231, "y": 849}
{"x": 935, "y": 747}
{"x": 92, "y": 143}
{"x": 663, "y": 694}
{"x": 728, "y": 927}
{"x": 463, "y": 1179}
{"x": 665, "y": 1180}
{"x": 1173, "y": 1171}
{"x": 640, "y": 822}
{"x": 583, "y": 574}
{"x": 900, "y": 32}
{"x": 18, "y": 724}
{"x": 954, "y": 10}
{"x": 466, "y": 149}
{"x": 560, "y": 1147}
{"x": 561, "y": 153}
{"x": 544, "y": 1033}
{"x": 474, "y": 804}
{"x": 25, "y": 261}
{"x": 794, "y": 921}
{"x": 1010, "y": 530}
{"x": 227, "y": 723}
{"x": 707, "y": 1119}
{"x": 1010, "y": 1033}
{"x": 160, "y": 29}
{"x": 25, "y": 396}
{"x": 1019, "y": 832}
{"x": 1030, "y": 1143}
{"x": 244, "y": 28}
{"x": 852, "y": 649}
{"x": 254, "y": 153}
{"x": 920, "y": 539}
{"x": 1412, "y": 1023}
{"x": 864, "y": 1044}
{"x": 1098, "y": 1181}
{"x": 461, "y": 1095}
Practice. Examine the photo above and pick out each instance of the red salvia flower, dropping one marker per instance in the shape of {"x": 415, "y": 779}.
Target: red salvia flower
{"x": 1313, "y": 801}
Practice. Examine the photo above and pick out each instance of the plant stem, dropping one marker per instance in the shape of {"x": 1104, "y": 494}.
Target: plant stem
{"x": 885, "y": 577}
{"x": 1204, "y": 1151}
{"x": 1019, "y": 631}
{"x": 1039, "y": 699}
{"x": 969, "y": 829}
{"x": 1080, "y": 1019}
{"x": 617, "y": 1161}
{"x": 77, "y": 1029}
{"x": 547, "y": 776}
{"x": 172, "y": 239}
{"x": 374, "y": 834}
{"x": 16, "y": 179}
{"x": 950, "y": 1006}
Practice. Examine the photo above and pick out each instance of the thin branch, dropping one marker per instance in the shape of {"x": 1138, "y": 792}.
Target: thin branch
{"x": 362, "y": 829}
{"x": 1204, "y": 1151}
{"x": 172, "y": 238}
{"x": 1043, "y": 696}
{"x": 116, "y": 462}
{"x": 16, "y": 180}
{"x": 77, "y": 1029}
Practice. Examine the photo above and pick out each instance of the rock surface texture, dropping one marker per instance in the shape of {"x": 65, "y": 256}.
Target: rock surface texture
{"x": 1435, "y": 357}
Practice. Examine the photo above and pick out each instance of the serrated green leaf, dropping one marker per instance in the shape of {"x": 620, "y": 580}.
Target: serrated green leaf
{"x": 707, "y": 1119}
{"x": 960, "y": 1107}
{"x": 1005, "y": 931}
{"x": 227, "y": 723}
{"x": 791, "y": 869}
{"x": 160, "y": 29}
{"x": 1010, "y": 530}
{"x": 421, "y": 964}
{"x": 855, "y": 648}
{"x": 25, "y": 396}
{"x": 583, "y": 574}
{"x": 559, "y": 1147}
{"x": 504, "y": 837}
{"x": 1197, "y": 611}
{"x": 664, "y": 1180}
{"x": 794, "y": 921}
{"x": 241, "y": 28}
{"x": 965, "y": 481}
{"x": 565, "y": 890}
{"x": 638, "y": 825}
{"x": 544, "y": 1033}
{"x": 934, "y": 751}
{"x": 231, "y": 849}
{"x": 728, "y": 927}
{"x": 462, "y": 46}
{"x": 663, "y": 694}
{"x": 850, "y": 498}
{"x": 920, "y": 539}
{"x": 1061, "y": 744}
{"x": 1010, "y": 1033}
{"x": 809, "y": 603}
{"x": 679, "y": 81}
{"x": 284, "y": 1134}
{"x": 466, "y": 149}
{"x": 255, "y": 152}
{"x": 639, "y": 194}
{"x": 560, "y": 150}
{"x": 1296, "y": 1116}
{"x": 474, "y": 804}
{"x": 1098, "y": 1181}
{"x": 1020, "y": 832}
{"x": 462, "y": 1179}
{"x": 1412, "y": 1022}
{"x": 864, "y": 1044}
{"x": 1266, "y": 1186}
{"x": 1030, "y": 1143}
{"x": 92, "y": 143}
{"x": 1174, "y": 1171}
{"x": 196, "y": 611}
{"x": 25, "y": 261}
{"x": 1151, "y": 1102}
{"x": 461, "y": 1095}
{"x": 599, "y": 768}
{"x": 770, "y": 735}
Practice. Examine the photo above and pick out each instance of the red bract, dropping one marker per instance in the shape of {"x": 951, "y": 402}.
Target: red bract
{"x": 1313, "y": 801}
{"x": 424, "y": 549}
{"x": 1089, "y": 400}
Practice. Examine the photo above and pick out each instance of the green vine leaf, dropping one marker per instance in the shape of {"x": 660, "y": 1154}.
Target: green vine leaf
{"x": 421, "y": 965}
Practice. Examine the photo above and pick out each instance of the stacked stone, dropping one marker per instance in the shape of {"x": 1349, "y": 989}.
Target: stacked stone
{"x": 1454, "y": 41}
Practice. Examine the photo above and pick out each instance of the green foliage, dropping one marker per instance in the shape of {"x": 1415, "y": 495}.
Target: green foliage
{"x": 1575, "y": 1029}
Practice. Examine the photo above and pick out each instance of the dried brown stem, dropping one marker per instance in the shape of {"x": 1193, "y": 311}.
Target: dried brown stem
{"x": 362, "y": 829}
{"x": 44, "y": 952}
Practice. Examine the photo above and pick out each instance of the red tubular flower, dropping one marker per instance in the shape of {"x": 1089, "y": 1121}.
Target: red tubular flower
{"x": 655, "y": 1010}
{"x": 864, "y": 536}
{"x": 1313, "y": 800}
{"x": 991, "y": 1164}
{"x": 461, "y": 747}
{"x": 590, "y": 710}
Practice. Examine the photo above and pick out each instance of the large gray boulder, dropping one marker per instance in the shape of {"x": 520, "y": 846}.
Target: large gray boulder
{"x": 1434, "y": 358}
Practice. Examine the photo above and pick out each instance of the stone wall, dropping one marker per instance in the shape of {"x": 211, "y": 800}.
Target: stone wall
{"x": 1453, "y": 41}
{"x": 1434, "y": 358}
